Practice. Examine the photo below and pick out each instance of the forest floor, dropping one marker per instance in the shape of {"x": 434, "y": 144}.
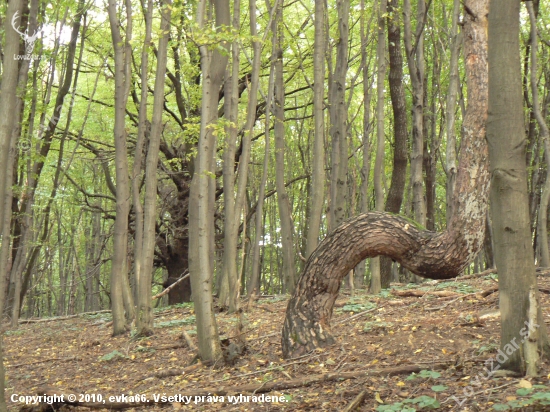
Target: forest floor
{"x": 449, "y": 335}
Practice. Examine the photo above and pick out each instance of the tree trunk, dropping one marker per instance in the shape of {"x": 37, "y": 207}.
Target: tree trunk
{"x": 285, "y": 213}
{"x": 140, "y": 143}
{"x": 201, "y": 216}
{"x": 542, "y": 229}
{"x": 339, "y": 120}
{"x": 376, "y": 284}
{"x": 415, "y": 60}
{"x": 509, "y": 198}
{"x": 244, "y": 159}
{"x": 450, "y": 109}
{"x": 254, "y": 285}
{"x": 367, "y": 129}
{"x": 318, "y": 159}
{"x": 145, "y": 311}
{"x": 400, "y": 132}
{"x": 119, "y": 269}
{"x": 7, "y": 107}
{"x": 427, "y": 254}
{"x": 231, "y": 111}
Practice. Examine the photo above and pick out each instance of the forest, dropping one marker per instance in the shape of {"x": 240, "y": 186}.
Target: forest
{"x": 284, "y": 205}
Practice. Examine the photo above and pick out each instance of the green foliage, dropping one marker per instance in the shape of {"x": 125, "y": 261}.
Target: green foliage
{"x": 114, "y": 355}
{"x": 529, "y": 397}
{"x": 358, "y": 307}
{"x": 490, "y": 347}
{"x": 439, "y": 388}
{"x": 457, "y": 287}
{"x": 373, "y": 326}
{"x": 426, "y": 374}
{"x": 177, "y": 322}
{"x": 422, "y": 403}
{"x": 14, "y": 332}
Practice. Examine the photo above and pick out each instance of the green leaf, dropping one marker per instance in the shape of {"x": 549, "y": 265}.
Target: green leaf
{"x": 501, "y": 407}
{"x": 427, "y": 402}
{"x": 524, "y": 391}
{"x": 439, "y": 388}
{"x": 429, "y": 374}
{"x": 113, "y": 355}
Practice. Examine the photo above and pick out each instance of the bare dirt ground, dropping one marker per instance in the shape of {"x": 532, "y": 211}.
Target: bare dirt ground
{"x": 449, "y": 335}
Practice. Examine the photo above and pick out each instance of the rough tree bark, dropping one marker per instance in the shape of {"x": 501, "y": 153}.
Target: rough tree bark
{"x": 509, "y": 199}
{"x": 400, "y": 132}
{"x": 415, "y": 60}
{"x": 428, "y": 254}
{"x": 338, "y": 114}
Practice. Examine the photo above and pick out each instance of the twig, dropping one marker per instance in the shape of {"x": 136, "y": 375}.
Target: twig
{"x": 172, "y": 286}
{"x": 17, "y": 365}
{"x": 189, "y": 341}
{"x": 356, "y": 402}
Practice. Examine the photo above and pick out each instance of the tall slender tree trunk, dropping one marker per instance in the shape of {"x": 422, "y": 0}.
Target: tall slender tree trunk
{"x": 140, "y": 142}
{"x": 376, "y": 283}
{"x": 318, "y": 159}
{"x": 145, "y": 310}
{"x": 366, "y": 130}
{"x": 450, "y": 110}
{"x": 254, "y": 285}
{"x": 201, "y": 211}
{"x": 509, "y": 199}
{"x": 415, "y": 60}
{"x": 119, "y": 268}
{"x": 244, "y": 159}
{"x": 231, "y": 111}
{"x": 339, "y": 120}
{"x": 7, "y": 107}
{"x": 542, "y": 229}
{"x": 285, "y": 213}
{"x": 400, "y": 132}
{"x": 434, "y": 255}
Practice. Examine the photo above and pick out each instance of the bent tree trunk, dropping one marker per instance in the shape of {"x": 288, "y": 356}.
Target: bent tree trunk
{"x": 427, "y": 254}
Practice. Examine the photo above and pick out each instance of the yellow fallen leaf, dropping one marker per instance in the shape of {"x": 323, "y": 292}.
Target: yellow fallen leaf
{"x": 400, "y": 383}
{"x": 418, "y": 351}
{"x": 511, "y": 398}
{"x": 374, "y": 361}
{"x": 377, "y": 397}
{"x": 444, "y": 351}
{"x": 523, "y": 383}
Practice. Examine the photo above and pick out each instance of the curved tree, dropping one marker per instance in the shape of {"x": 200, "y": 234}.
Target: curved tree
{"x": 428, "y": 254}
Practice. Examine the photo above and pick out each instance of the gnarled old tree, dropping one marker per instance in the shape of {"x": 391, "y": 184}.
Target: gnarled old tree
{"x": 428, "y": 254}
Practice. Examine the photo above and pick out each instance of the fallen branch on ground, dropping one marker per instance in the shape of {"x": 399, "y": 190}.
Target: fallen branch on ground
{"x": 17, "y": 365}
{"x": 23, "y": 321}
{"x": 358, "y": 400}
{"x": 421, "y": 293}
